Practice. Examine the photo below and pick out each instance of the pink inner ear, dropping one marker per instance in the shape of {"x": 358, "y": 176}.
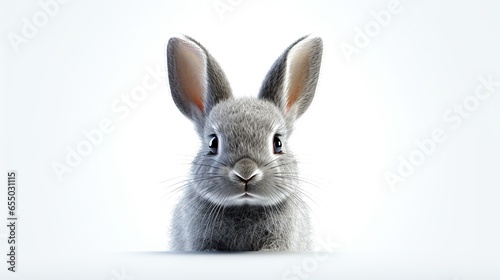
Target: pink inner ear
{"x": 191, "y": 71}
{"x": 298, "y": 73}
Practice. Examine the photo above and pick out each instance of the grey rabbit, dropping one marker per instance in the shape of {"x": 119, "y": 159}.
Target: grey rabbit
{"x": 243, "y": 193}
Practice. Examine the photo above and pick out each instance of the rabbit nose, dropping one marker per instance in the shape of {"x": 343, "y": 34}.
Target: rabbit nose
{"x": 245, "y": 170}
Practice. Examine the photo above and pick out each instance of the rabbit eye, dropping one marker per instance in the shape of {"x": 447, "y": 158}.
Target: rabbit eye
{"x": 277, "y": 145}
{"x": 213, "y": 144}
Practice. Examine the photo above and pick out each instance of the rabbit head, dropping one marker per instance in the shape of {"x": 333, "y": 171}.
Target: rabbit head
{"x": 244, "y": 157}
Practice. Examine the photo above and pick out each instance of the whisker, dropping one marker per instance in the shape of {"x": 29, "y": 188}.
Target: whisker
{"x": 217, "y": 161}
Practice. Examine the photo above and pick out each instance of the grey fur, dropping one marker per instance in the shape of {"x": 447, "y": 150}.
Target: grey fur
{"x": 245, "y": 197}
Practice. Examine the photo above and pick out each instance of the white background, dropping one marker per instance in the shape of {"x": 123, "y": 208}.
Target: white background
{"x": 441, "y": 222}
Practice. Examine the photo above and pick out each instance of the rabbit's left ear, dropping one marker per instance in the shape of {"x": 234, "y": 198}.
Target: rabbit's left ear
{"x": 291, "y": 82}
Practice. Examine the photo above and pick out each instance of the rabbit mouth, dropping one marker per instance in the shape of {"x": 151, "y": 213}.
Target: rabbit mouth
{"x": 254, "y": 199}
{"x": 248, "y": 199}
{"x": 247, "y": 195}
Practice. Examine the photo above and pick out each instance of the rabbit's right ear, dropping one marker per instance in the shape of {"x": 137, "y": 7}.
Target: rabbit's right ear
{"x": 196, "y": 80}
